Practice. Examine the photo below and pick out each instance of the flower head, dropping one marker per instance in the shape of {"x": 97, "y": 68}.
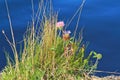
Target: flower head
{"x": 67, "y": 32}
{"x": 3, "y": 31}
{"x": 66, "y": 35}
{"x": 60, "y": 24}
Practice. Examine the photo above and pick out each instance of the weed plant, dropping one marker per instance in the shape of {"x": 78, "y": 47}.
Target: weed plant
{"x": 49, "y": 53}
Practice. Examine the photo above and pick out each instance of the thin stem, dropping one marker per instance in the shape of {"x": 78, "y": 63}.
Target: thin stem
{"x": 14, "y": 45}
{"x": 32, "y": 10}
{"x": 78, "y": 18}
{"x": 32, "y": 36}
{"x": 79, "y": 9}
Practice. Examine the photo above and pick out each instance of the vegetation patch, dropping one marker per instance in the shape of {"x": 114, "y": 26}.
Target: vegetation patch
{"x": 49, "y": 52}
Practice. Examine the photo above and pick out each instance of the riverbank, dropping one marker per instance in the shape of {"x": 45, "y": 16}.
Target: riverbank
{"x": 112, "y": 77}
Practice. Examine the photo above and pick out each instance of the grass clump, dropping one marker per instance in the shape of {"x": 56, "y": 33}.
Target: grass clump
{"x": 50, "y": 53}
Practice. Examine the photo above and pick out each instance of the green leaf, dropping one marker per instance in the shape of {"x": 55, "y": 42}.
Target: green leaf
{"x": 99, "y": 56}
{"x": 53, "y": 49}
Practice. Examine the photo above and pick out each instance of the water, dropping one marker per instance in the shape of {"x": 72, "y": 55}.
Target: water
{"x": 100, "y": 19}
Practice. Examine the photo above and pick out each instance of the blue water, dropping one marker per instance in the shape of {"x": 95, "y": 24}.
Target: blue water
{"x": 100, "y": 19}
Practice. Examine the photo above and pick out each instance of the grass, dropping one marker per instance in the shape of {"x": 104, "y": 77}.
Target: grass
{"x": 49, "y": 53}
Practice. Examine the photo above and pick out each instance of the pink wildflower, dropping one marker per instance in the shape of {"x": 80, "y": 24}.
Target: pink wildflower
{"x": 60, "y": 24}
